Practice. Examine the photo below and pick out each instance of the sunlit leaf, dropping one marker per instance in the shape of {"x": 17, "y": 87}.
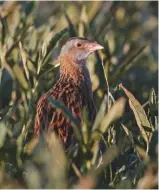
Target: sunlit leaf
{"x": 140, "y": 115}
{"x": 141, "y": 152}
{"x": 53, "y": 42}
{"x": 20, "y": 76}
{"x": 115, "y": 112}
{"x": 3, "y": 133}
{"x": 128, "y": 133}
{"x": 153, "y": 101}
{"x": 24, "y": 59}
{"x": 29, "y": 147}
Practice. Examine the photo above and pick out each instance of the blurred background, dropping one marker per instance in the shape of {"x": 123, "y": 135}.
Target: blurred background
{"x": 125, "y": 29}
{"x": 31, "y": 36}
{"x": 123, "y": 26}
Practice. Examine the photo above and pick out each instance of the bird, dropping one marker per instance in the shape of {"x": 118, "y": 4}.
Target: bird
{"x": 73, "y": 89}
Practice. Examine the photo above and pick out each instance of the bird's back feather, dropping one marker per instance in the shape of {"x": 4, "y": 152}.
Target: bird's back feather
{"x": 52, "y": 119}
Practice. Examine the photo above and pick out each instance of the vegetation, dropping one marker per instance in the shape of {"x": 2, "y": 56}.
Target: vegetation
{"x": 120, "y": 149}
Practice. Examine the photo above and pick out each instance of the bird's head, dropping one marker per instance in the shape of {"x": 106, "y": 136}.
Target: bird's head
{"x": 79, "y": 48}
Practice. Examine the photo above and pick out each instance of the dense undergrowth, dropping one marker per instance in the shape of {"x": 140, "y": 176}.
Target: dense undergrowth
{"x": 120, "y": 149}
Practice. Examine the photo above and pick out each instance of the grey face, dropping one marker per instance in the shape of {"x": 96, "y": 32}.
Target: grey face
{"x": 79, "y": 48}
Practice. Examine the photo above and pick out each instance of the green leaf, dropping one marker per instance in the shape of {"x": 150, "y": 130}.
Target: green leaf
{"x": 128, "y": 133}
{"x": 58, "y": 161}
{"x": 153, "y": 101}
{"x": 53, "y": 43}
{"x": 3, "y": 133}
{"x": 49, "y": 154}
{"x": 115, "y": 112}
{"x": 140, "y": 115}
{"x": 94, "y": 11}
{"x": 24, "y": 60}
{"x": 20, "y": 76}
{"x": 72, "y": 30}
{"x": 4, "y": 30}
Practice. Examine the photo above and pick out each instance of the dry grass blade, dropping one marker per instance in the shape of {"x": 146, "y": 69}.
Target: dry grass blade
{"x": 140, "y": 116}
{"x": 24, "y": 59}
{"x": 128, "y": 133}
{"x": 107, "y": 84}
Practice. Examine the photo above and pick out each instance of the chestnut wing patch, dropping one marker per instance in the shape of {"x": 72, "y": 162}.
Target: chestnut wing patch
{"x": 72, "y": 100}
{"x": 52, "y": 119}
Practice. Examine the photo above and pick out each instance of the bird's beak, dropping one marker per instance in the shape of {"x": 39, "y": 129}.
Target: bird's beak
{"x": 93, "y": 46}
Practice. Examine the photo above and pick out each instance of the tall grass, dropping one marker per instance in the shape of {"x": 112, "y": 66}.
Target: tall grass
{"x": 120, "y": 149}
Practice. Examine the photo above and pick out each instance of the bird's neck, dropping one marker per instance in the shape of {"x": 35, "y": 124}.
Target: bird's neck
{"x": 78, "y": 74}
{"x": 76, "y": 71}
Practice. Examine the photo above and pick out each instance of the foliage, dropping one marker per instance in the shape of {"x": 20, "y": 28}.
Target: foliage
{"x": 120, "y": 149}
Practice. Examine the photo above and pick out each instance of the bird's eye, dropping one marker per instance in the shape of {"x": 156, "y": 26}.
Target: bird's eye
{"x": 78, "y": 45}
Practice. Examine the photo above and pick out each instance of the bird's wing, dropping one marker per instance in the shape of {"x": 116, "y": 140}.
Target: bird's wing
{"x": 51, "y": 118}
{"x": 41, "y": 119}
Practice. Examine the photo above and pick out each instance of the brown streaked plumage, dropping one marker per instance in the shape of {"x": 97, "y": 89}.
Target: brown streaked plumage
{"x": 73, "y": 88}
